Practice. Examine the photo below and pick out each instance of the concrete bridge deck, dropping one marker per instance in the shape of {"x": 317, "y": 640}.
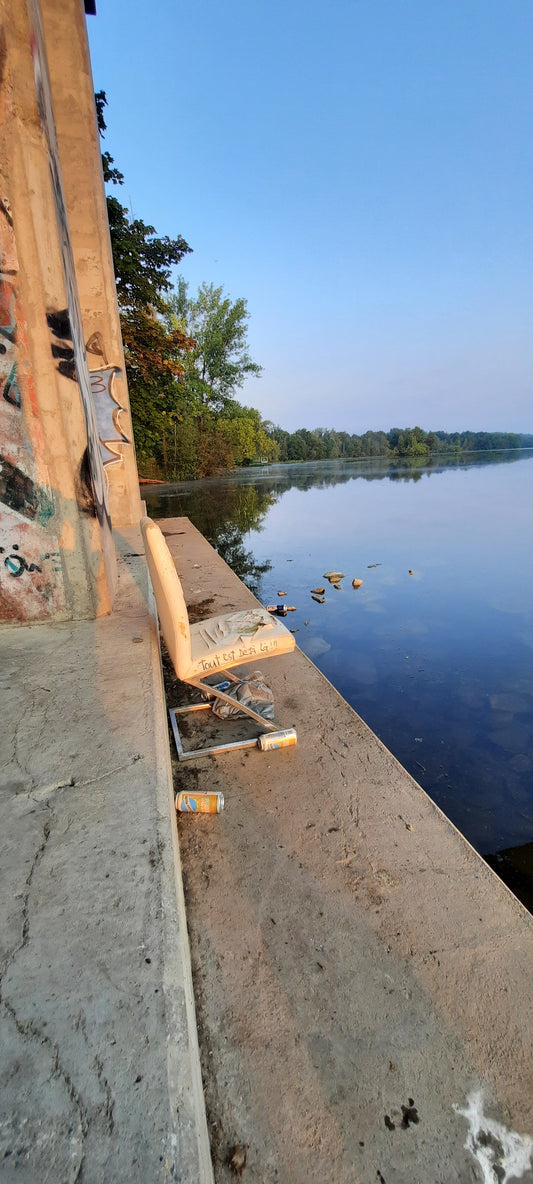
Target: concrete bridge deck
{"x": 362, "y": 979}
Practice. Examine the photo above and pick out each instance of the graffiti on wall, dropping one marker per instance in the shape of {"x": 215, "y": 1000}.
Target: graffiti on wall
{"x": 29, "y": 559}
{"x": 107, "y": 414}
{"x": 16, "y": 564}
{"x": 22, "y": 494}
{"x": 107, "y": 407}
{"x": 61, "y": 343}
{"x": 9, "y": 388}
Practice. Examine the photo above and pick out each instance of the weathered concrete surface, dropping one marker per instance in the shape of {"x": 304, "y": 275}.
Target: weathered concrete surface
{"x": 99, "y": 1070}
{"x": 353, "y": 957}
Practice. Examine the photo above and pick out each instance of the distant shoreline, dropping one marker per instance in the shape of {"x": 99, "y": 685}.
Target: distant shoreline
{"x": 400, "y": 461}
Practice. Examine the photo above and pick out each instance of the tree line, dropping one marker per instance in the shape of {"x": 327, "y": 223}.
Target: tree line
{"x": 328, "y": 444}
{"x": 187, "y": 356}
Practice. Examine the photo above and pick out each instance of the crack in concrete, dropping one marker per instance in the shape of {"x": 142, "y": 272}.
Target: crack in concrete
{"x": 81, "y": 1026}
{"x": 44, "y": 724}
{"x": 109, "y": 773}
{"x": 39, "y": 795}
{"x": 30, "y": 1030}
{"x": 29, "y": 880}
{"x": 109, "y": 1099}
{"x": 20, "y": 723}
{"x": 44, "y": 792}
{"x": 11, "y": 955}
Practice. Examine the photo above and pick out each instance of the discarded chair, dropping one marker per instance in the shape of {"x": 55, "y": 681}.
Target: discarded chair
{"x": 211, "y": 647}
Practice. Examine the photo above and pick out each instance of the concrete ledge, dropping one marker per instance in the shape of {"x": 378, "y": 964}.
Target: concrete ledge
{"x": 350, "y": 952}
{"x": 99, "y": 1070}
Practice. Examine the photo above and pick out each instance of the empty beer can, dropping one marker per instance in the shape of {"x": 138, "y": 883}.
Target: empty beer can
{"x": 200, "y": 803}
{"x": 271, "y": 740}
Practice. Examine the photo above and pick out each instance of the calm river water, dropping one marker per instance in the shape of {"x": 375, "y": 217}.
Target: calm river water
{"x": 435, "y": 650}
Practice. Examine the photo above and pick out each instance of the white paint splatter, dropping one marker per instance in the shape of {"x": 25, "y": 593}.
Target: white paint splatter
{"x": 502, "y": 1155}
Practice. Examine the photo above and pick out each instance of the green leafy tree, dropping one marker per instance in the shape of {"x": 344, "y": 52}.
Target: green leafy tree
{"x": 142, "y": 261}
{"x": 219, "y": 362}
{"x": 153, "y": 363}
{"x": 153, "y": 353}
{"x": 280, "y": 437}
{"x": 111, "y": 174}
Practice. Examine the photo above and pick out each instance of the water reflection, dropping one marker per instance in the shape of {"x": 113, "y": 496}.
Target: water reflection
{"x": 223, "y": 516}
{"x": 434, "y": 650}
{"x": 228, "y": 507}
{"x": 277, "y": 479}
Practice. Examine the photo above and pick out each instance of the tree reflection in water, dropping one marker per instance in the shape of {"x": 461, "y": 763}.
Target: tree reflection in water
{"x": 224, "y": 513}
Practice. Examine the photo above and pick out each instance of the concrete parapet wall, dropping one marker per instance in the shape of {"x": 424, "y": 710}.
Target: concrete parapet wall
{"x": 62, "y": 377}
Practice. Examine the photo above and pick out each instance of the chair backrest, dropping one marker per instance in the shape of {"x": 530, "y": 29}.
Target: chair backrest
{"x": 170, "y": 601}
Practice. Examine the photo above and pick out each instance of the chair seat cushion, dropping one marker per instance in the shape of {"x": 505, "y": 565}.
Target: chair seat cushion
{"x": 235, "y": 638}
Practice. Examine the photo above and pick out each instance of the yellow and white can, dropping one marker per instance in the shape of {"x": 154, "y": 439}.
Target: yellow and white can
{"x": 271, "y": 740}
{"x": 199, "y": 803}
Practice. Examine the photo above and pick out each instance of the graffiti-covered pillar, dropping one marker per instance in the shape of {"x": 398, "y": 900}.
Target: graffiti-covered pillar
{"x": 57, "y": 559}
{"x": 64, "y": 25}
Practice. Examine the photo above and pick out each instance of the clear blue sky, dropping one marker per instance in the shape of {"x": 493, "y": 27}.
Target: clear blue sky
{"x": 361, "y": 172}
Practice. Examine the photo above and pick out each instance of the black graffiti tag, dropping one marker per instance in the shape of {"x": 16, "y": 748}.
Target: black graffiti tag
{"x": 17, "y": 564}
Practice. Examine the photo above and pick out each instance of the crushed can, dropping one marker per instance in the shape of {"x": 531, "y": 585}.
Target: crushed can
{"x": 271, "y": 740}
{"x": 199, "y": 803}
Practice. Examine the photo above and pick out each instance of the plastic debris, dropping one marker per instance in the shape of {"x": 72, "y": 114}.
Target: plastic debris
{"x": 251, "y": 692}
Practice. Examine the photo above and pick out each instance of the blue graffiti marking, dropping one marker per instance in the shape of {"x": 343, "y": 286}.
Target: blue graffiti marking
{"x": 17, "y": 565}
